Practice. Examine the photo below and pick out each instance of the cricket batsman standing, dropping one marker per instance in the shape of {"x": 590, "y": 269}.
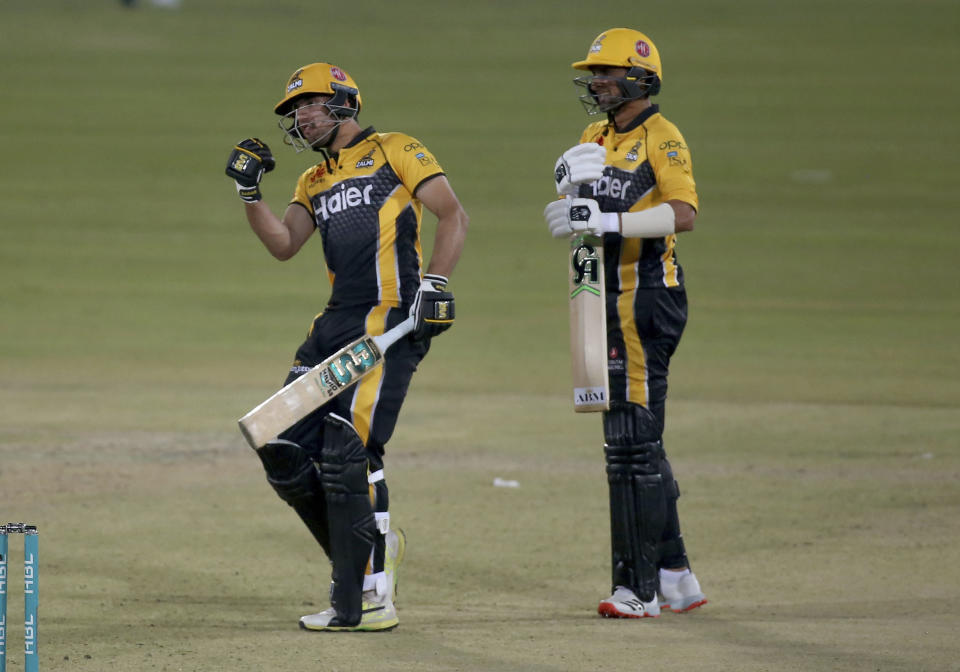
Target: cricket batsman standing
{"x": 364, "y": 197}
{"x": 630, "y": 180}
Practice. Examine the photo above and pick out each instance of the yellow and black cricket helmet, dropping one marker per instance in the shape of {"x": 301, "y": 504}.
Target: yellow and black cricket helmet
{"x": 322, "y": 79}
{"x": 631, "y": 49}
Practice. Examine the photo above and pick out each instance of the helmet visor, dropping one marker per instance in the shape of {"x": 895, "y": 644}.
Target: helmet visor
{"x": 600, "y": 96}
{"x": 606, "y": 94}
{"x": 313, "y": 125}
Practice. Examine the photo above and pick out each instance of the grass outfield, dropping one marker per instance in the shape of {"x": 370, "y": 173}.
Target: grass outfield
{"x": 814, "y": 402}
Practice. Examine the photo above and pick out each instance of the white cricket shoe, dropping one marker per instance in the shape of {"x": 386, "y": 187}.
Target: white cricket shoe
{"x": 377, "y": 614}
{"x": 625, "y": 604}
{"x": 683, "y": 595}
{"x": 378, "y": 611}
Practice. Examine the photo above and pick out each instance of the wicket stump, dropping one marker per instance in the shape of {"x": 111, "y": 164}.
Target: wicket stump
{"x": 31, "y": 555}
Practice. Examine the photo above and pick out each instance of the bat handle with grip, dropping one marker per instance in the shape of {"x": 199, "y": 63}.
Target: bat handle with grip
{"x": 391, "y": 336}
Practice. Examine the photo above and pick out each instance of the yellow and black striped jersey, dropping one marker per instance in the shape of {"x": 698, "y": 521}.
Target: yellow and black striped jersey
{"x": 364, "y": 207}
{"x": 647, "y": 164}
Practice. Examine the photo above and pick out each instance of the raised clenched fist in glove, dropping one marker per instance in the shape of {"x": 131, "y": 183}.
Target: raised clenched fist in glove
{"x": 248, "y": 161}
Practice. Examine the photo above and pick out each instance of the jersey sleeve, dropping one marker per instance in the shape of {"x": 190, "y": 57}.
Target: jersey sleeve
{"x": 413, "y": 163}
{"x": 593, "y": 133}
{"x": 300, "y": 191}
{"x": 671, "y": 162}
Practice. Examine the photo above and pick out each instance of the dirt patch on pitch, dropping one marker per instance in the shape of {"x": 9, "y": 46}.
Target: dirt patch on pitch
{"x": 101, "y": 462}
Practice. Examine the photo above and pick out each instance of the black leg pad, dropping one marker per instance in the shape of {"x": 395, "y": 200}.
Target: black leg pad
{"x": 638, "y": 497}
{"x": 296, "y": 479}
{"x": 637, "y": 516}
{"x": 673, "y": 555}
{"x": 344, "y": 471}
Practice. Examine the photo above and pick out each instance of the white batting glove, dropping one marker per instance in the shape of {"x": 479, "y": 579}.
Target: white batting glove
{"x": 579, "y": 164}
{"x": 578, "y": 215}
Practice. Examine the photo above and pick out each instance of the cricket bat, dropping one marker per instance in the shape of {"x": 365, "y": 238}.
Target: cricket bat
{"x": 588, "y": 324}
{"x": 319, "y": 385}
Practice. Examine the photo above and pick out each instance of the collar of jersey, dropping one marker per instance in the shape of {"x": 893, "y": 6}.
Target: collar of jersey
{"x": 637, "y": 120}
{"x": 361, "y": 136}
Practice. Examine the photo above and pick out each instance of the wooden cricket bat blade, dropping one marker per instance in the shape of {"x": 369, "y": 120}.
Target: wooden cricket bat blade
{"x": 588, "y": 324}
{"x": 319, "y": 385}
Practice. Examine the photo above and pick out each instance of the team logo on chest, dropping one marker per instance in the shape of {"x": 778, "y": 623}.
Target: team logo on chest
{"x": 634, "y": 152}
{"x": 367, "y": 160}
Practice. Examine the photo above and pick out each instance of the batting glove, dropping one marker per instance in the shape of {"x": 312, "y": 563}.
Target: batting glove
{"x": 579, "y": 215}
{"x": 248, "y": 161}
{"x": 433, "y": 307}
{"x": 577, "y": 165}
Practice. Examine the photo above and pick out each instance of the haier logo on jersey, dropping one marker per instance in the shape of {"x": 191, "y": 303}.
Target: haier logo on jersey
{"x": 340, "y": 200}
{"x": 610, "y": 186}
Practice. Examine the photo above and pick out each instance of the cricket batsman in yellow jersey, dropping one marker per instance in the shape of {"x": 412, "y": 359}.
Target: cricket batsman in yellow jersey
{"x": 365, "y": 198}
{"x": 630, "y": 179}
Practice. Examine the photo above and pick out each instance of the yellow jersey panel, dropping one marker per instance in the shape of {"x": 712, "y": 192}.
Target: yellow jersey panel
{"x": 648, "y": 163}
{"x": 364, "y": 206}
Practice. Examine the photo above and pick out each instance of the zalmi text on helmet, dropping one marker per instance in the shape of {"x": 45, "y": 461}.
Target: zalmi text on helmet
{"x": 346, "y": 197}
{"x": 295, "y": 84}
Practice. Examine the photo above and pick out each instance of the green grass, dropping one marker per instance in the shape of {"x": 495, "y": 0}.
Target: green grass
{"x": 814, "y": 401}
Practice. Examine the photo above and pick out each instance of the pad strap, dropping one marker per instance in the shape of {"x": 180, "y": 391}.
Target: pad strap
{"x": 381, "y": 504}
